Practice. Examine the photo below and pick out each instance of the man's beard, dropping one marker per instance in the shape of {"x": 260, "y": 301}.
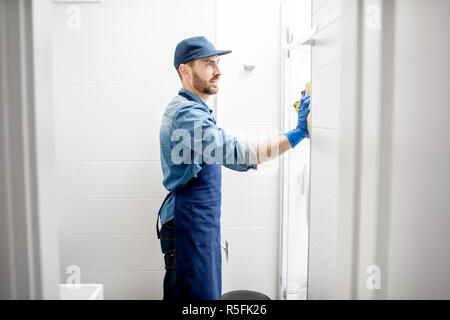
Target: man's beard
{"x": 204, "y": 86}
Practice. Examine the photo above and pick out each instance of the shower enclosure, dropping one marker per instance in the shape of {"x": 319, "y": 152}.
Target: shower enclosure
{"x": 296, "y": 71}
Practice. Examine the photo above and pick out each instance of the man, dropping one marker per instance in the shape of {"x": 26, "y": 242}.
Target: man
{"x": 193, "y": 149}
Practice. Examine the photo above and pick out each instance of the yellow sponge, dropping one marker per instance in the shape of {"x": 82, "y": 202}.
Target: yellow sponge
{"x": 297, "y": 105}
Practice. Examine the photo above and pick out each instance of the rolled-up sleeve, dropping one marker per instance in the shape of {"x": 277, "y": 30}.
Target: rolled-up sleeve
{"x": 207, "y": 143}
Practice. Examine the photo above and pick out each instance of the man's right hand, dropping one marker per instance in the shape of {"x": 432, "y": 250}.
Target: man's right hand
{"x": 303, "y": 112}
{"x": 301, "y": 131}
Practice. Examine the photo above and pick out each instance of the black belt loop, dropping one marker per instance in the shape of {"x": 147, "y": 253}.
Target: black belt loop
{"x": 159, "y": 212}
{"x": 173, "y": 258}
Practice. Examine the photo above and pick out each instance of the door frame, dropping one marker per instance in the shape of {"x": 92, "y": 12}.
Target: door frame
{"x": 28, "y": 227}
{"x": 366, "y": 130}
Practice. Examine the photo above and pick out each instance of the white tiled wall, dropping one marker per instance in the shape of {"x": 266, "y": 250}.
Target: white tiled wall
{"x": 113, "y": 78}
{"x": 249, "y": 106}
{"x": 324, "y": 148}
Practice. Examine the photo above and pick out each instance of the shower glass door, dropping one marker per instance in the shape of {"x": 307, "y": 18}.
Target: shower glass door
{"x": 296, "y": 72}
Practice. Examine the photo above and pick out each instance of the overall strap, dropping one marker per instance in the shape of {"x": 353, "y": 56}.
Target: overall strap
{"x": 185, "y": 95}
{"x": 188, "y": 97}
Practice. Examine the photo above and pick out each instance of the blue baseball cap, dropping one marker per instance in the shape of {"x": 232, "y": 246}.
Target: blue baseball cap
{"x": 195, "y": 48}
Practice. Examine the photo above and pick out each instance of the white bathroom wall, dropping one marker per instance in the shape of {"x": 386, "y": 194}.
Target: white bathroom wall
{"x": 249, "y": 107}
{"x": 324, "y": 148}
{"x": 114, "y": 76}
{"x": 113, "y": 79}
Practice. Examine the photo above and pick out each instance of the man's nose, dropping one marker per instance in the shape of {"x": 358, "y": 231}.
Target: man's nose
{"x": 217, "y": 71}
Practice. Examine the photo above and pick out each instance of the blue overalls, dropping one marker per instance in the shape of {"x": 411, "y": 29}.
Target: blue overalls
{"x": 196, "y": 226}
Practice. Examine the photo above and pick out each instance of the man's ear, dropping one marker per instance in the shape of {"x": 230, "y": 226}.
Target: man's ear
{"x": 183, "y": 68}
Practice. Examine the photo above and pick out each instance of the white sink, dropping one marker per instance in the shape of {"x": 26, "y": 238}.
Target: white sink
{"x": 81, "y": 291}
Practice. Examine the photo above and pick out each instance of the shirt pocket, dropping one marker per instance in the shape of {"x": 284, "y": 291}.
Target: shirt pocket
{"x": 206, "y": 219}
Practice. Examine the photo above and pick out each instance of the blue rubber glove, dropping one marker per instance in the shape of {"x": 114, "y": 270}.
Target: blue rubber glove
{"x": 301, "y": 132}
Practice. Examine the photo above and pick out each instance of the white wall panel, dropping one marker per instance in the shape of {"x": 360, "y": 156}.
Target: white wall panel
{"x": 327, "y": 48}
{"x": 324, "y": 159}
{"x": 326, "y": 91}
{"x": 118, "y": 253}
{"x": 103, "y": 217}
{"x": 110, "y": 179}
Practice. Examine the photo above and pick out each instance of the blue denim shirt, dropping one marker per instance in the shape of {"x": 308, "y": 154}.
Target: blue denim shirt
{"x": 181, "y": 123}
